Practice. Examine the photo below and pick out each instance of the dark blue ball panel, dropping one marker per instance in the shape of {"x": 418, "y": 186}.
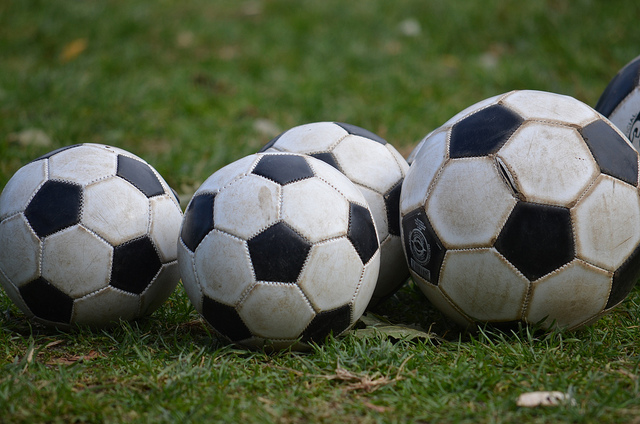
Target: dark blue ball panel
{"x": 619, "y": 87}
{"x": 613, "y": 154}
{"x": 355, "y": 130}
{"x": 424, "y": 250}
{"x": 484, "y": 132}
{"x": 47, "y": 301}
{"x": 175, "y": 195}
{"x": 327, "y": 322}
{"x": 198, "y": 220}
{"x": 270, "y": 143}
{"x": 392, "y": 205}
{"x": 624, "y": 279}
{"x": 283, "y": 168}
{"x": 135, "y": 264}
{"x": 362, "y": 232}
{"x": 57, "y": 205}
{"x": 537, "y": 239}
{"x": 327, "y": 158}
{"x": 140, "y": 175}
{"x": 53, "y": 152}
{"x": 225, "y": 320}
{"x": 278, "y": 254}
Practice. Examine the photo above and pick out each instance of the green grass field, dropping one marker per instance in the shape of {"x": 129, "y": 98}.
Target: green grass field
{"x": 193, "y": 85}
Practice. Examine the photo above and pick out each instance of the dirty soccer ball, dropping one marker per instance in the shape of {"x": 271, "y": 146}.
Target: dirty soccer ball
{"x": 620, "y": 101}
{"x": 88, "y": 236}
{"x": 277, "y": 250}
{"x": 524, "y": 208}
{"x": 376, "y": 168}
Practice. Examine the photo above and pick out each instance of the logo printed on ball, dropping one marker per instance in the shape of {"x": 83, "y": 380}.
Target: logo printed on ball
{"x": 420, "y": 249}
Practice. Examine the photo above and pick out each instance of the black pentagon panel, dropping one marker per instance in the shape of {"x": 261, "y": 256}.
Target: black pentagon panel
{"x": 537, "y": 239}
{"x": 355, "y": 130}
{"x": 57, "y": 205}
{"x": 613, "y": 154}
{"x": 278, "y": 254}
{"x": 135, "y": 264}
{"x": 53, "y": 152}
{"x": 270, "y": 143}
{"x": 198, "y": 220}
{"x": 283, "y": 168}
{"x": 624, "y": 279}
{"x": 46, "y": 301}
{"x": 327, "y": 158}
{"x": 225, "y": 320}
{"x": 362, "y": 232}
{"x": 619, "y": 87}
{"x": 392, "y": 205}
{"x": 484, "y": 132}
{"x": 424, "y": 250}
{"x": 327, "y": 322}
{"x": 140, "y": 175}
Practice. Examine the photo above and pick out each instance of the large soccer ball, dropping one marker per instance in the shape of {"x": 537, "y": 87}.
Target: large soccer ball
{"x": 620, "y": 101}
{"x": 376, "y": 168}
{"x": 88, "y": 236}
{"x": 524, "y": 208}
{"x": 277, "y": 250}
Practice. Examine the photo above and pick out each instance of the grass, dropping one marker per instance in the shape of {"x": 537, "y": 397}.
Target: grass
{"x": 191, "y": 86}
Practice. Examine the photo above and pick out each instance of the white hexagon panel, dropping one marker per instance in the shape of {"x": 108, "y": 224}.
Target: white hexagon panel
{"x": 568, "y": 165}
{"x": 83, "y": 164}
{"x": 336, "y": 259}
{"x": 165, "y": 221}
{"x": 417, "y": 182}
{"x": 99, "y": 308}
{"x": 256, "y": 203}
{"x": 540, "y": 106}
{"x": 484, "y": 285}
{"x": 125, "y": 205}
{"x": 21, "y": 263}
{"x": 469, "y": 203}
{"x": 226, "y": 257}
{"x": 77, "y": 261}
{"x": 307, "y": 203}
{"x": 23, "y": 184}
{"x": 570, "y": 296}
{"x": 276, "y": 311}
{"x": 377, "y": 167}
{"x": 607, "y": 223}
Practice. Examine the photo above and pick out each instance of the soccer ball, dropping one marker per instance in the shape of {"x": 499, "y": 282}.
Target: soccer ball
{"x": 277, "y": 250}
{"x": 524, "y": 208}
{"x": 376, "y": 168}
{"x": 88, "y": 236}
{"x": 620, "y": 101}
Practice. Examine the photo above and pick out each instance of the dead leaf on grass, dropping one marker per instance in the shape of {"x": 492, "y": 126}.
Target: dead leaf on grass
{"x": 377, "y": 408}
{"x": 356, "y": 381}
{"x": 535, "y": 399}
{"x": 30, "y": 137}
{"x": 73, "y": 49}
{"x": 72, "y": 359}
{"x": 376, "y": 326}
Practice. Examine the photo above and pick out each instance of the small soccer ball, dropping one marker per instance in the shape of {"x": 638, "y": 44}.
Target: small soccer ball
{"x": 524, "y": 208}
{"x": 88, "y": 236}
{"x": 277, "y": 250}
{"x": 620, "y": 101}
{"x": 376, "y": 168}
